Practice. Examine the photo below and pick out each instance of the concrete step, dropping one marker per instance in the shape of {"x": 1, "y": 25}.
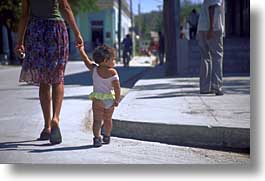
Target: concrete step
{"x": 219, "y": 138}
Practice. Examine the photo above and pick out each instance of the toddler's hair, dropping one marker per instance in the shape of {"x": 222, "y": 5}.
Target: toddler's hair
{"x": 102, "y": 53}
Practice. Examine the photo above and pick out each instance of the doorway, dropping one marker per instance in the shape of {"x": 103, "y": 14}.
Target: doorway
{"x": 97, "y": 33}
{"x": 97, "y": 37}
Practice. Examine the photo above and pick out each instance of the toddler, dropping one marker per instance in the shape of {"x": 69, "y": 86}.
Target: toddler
{"x": 106, "y": 90}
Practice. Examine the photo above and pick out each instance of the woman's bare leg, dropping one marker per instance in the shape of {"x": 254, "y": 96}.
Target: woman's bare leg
{"x": 57, "y": 99}
{"x": 45, "y": 101}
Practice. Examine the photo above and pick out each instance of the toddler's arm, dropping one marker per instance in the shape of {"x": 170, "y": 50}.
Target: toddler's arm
{"x": 117, "y": 90}
{"x": 90, "y": 65}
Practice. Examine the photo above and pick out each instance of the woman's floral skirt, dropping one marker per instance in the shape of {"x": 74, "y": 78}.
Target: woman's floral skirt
{"x": 47, "y": 52}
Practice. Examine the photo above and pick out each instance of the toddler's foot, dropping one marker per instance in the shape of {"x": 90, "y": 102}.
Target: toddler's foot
{"x": 97, "y": 142}
{"x": 106, "y": 139}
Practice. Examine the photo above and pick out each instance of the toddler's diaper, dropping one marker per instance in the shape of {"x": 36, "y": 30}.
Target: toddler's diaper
{"x": 108, "y": 103}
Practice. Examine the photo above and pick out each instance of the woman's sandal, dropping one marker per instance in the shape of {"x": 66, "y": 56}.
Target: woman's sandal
{"x": 44, "y": 135}
{"x": 56, "y": 137}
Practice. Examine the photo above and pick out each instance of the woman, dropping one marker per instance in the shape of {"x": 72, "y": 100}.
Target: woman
{"x": 43, "y": 37}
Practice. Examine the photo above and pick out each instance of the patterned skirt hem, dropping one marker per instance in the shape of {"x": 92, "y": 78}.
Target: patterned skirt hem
{"x": 31, "y": 78}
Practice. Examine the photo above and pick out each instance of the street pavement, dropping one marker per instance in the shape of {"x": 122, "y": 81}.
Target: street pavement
{"x": 21, "y": 122}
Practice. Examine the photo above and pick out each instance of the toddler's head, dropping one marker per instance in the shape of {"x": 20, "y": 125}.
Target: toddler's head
{"x": 104, "y": 55}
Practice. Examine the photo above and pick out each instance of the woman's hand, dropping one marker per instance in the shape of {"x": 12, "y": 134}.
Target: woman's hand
{"x": 79, "y": 41}
{"x": 19, "y": 48}
{"x": 20, "y": 51}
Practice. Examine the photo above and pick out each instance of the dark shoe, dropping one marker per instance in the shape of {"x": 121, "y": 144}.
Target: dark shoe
{"x": 219, "y": 93}
{"x": 97, "y": 142}
{"x": 210, "y": 92}
{"x": 56, "y": 137}
{"x": 106, "y": 139}
{"x": 44, "y": 135}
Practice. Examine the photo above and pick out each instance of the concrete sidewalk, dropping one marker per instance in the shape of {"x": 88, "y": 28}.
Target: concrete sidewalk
{"x": 171, "y": 110}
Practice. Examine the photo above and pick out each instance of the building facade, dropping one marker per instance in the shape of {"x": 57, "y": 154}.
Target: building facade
{"x": 101, "y": 26}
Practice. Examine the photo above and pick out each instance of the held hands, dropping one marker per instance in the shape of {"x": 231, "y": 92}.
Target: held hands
{"x": 80, "y": 44}
{"x": 20, "y": 51}
{"x": 79, "y": 41}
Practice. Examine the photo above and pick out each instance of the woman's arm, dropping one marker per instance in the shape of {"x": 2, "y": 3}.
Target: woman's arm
{"x": 22, "y": 26}
{"x": 69, "y": 17}
{"x": 90, "y": 65}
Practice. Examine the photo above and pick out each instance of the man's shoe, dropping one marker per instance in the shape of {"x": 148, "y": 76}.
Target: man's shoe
{"x": 219, "y": 93}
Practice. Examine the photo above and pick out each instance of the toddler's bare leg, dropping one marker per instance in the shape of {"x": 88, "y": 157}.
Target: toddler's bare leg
{"x": 108, "y": 121}
{"x": 98, "y": 111}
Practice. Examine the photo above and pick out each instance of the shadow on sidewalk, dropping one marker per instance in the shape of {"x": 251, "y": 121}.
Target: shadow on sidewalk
{"x": 82, "y": 78}
{"x": 128, "y": 76}
{"x": 235, "y": 87}
{"x": 230, "y": 81}
{"x": 72, "y": 148}
{"x": 17, "y": 146}
{"x": 176, "y": 94}
{"x": 8, "y": 146}
{"x": 160, "y": 86}
{"x": 80, "y": 97}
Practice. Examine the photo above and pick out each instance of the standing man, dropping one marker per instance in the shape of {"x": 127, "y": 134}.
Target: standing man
{"x": 193, "y": 22}
{"x": 210, "y": 39}
{"x": 127, "y": 50}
